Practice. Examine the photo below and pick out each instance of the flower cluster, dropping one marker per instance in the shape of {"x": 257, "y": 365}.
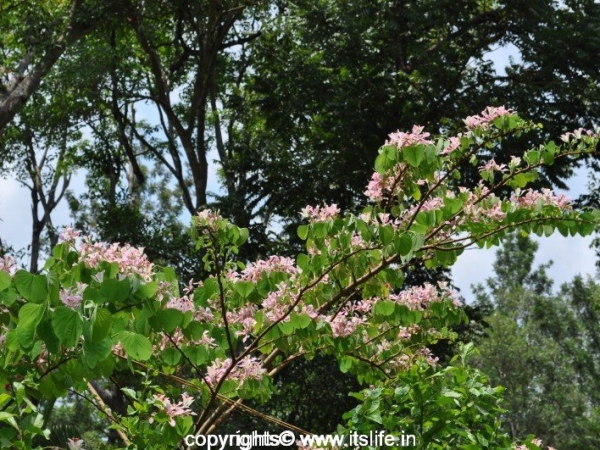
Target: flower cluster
{"x": 72, "y": 297}
{"x": 75, "y": 444}
{"x": 535, "y": 199}
{"x": 177, "y": 338}
{"x": 487, "y": 117}
{"x": 493, "y": 166}
{"x": 401, "y": 139}
{"x": 69, "y": 235}
{"x": 131, "y": 260}
{"x": 379, "y": 186}
{"x": 320, "y": 214}
{"x": 8, "y": 264}
{"x": 578, "y": 134}
{"x": 419, "y": 297}
{"x": 247, "y": 368}
{"x": 181, "y": 408}
{"x": 254, "y": 271}
{"x": 452, "y": 144}
{"x": 208, "y": 220}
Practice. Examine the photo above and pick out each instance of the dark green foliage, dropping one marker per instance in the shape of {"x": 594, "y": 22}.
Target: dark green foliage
{"x": 331, "y": 80}
{"x": 543, "y": 347}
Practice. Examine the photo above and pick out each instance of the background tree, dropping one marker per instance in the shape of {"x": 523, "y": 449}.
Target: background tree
{"x": 330, "y": 80}
{"x": 541, "y": 346}
{"x": 34, "y": 36}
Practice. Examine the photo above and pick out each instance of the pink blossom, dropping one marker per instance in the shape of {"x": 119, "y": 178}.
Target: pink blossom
{"x": 245, "y": 317}
{"x": 375, "y": 187}
{"x": 8, "y": 265}
{"x": 578, "y": 134}
{"x": 452, "y": 145}
{"x": 491, "y": 165}
{"x": 75, "y": 444}
{"x": 343, "y": 325}
{"x": 417, "y": 297}
{"x": 208, "y": 220}
{"x": 181, "y": 408}
{"x": 205, "y": 315}
{"x": 72, "y": 296}
{"x": 118, "y": 350}
{"x": 320, "y": 214}
{"x": 487, "y": 116}
{"x": 248, "y": 368}
{"x": 429, "y": 357}
{"x": 274, "y": 307}
{"x": 182, "y": 304}
{"x": 388, "y": 184}
{"x": 69, "y": 235}
{"x": 253, "y": 271}
{"x": 532, "y": 199}
{"x": 401, "y": 139}
{"x": 357, "y": 241}
{"x": 131, "y": 260}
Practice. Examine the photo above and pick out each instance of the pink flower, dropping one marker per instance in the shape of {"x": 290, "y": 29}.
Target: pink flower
{"x": 342, "y": 325}
{"x": 531, "y": 199}
{"x": 75, "y": 444}
{"x": 181, "y": 408}
{"x": 72, "y": 297}
{"x": 487, "y": 117}
{"x": 254, "y": 271}
{"x": 8, "y": 265}
{"x": 320, "y": 214}
{"x": 491, "y": 165}
{"x": 401, "y": 139}
{"x": 69, "y": 235}
{"x": 453, "y": 144}
{"x": 248, "y": 368}
{"x": 375, "y": 187}
{"x": 131, "y": 260}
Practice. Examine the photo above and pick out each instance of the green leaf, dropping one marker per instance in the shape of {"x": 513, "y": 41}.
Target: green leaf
{"x": 287, "y": 327}
{"x": 46, "y": 333}
{"x": 386, "y": 159}
{"x": 384, "y": 308}
{"x": 243, "y": 237}
{"x": 300, "y": 321}
{"x": 170, "y": 356}
{"x": 8, "y": 298}
{"x": 523, "y": 179}
{"x": 147, "y": 290}
{"x": 303, "y": 232}
{"x": 196, "y": 354}
{"x": 206, "y": 291}
{"x": 303, "y": 261}
{"x": 115, "y": 290}
{"x": 345, "y": 364}
{"x": 417, "y": 241}
{"x": 414, "y": 154}
{"x": 9, "y": 419}
{"x": 32, "y": 287}
{"x": 101, "y": 324}
{"x": 30, "y": 316}
{"x": 403, "y": 243}
{"x": 136, "y": 345}
{"x": 532, "y": 157}
{"x": 5, "y": 280}
{"x": 386, "y": 233}
{"x": 96, "y": 351}
{"x": 167, "y": 320}
{"x": 68, "y": 325}
{"x": 244, "y": 288}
